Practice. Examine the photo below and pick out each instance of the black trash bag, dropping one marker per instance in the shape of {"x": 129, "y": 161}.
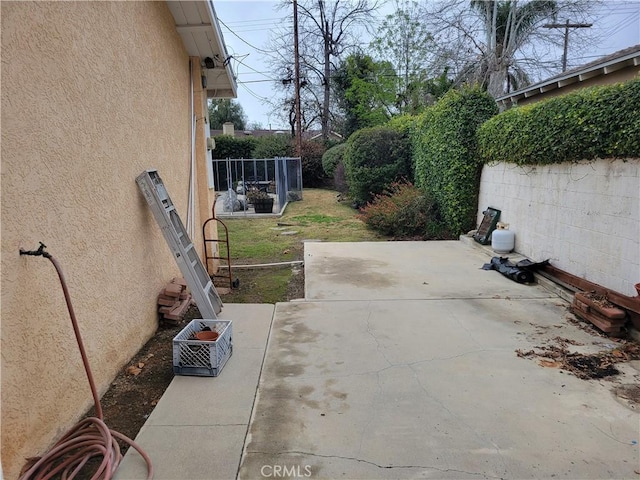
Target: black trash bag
{"x": 532, "y": 266}
{"x": 522, "y": 272}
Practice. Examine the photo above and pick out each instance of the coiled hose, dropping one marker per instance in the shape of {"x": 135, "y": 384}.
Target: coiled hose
{"x": 91, "y": 437}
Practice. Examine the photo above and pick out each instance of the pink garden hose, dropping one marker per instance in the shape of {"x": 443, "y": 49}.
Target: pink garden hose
{"x": 90, "y": 437}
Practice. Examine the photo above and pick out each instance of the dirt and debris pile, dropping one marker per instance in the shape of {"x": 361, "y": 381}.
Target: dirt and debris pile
{"x": 585, "y": 366}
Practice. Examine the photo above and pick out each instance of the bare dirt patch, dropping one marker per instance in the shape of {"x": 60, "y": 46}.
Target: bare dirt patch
{"x": 136, "y": 390}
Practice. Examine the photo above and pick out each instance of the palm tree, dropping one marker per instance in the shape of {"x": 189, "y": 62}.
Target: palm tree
{"x": 508, "y": 26}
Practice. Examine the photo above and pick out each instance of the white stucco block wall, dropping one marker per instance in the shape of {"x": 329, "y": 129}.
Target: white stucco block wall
{"x": 584, "y": 217}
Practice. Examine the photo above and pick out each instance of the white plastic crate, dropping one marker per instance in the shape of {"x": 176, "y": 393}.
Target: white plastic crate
{"x": 202, "y": 358}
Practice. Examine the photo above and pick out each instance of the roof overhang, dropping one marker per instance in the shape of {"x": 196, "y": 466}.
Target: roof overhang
{"x": 575, "y": 76}
{"x": 198, "y": 26}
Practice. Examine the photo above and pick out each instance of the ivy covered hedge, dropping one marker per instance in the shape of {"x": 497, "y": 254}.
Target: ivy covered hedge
{"x": 447, "y": 164}
{"x": 231, "y": 147}
{"x": 273, "y": 146}
{"x": 597, "y": 122}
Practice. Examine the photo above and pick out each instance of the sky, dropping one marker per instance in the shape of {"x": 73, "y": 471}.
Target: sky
{"x": 246, "y": 26}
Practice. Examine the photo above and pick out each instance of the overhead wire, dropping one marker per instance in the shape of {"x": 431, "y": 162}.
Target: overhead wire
{"x": 254, "y": 94}
{"x": 255, "y": 71}
{"x": 244, "y": 41}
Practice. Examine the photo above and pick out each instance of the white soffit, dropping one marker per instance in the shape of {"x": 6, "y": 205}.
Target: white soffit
{"x": 197, "y": 24}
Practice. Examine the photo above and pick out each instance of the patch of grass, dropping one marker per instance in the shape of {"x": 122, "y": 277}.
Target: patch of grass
{"x": 260, "y": 285}
{"x": 318, "y": 216}
{"x": 253, "y": 241}
{"x": 315, "y": 218}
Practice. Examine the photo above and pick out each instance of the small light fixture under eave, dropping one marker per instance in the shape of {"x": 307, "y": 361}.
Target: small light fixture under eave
{"x": 203, "y": 78}
{"x": 209, "y": 63}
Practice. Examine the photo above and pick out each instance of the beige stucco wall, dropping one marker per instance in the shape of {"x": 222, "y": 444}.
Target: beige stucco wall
{"x": 93, "y": 93}
{"x": 584, "y": 217}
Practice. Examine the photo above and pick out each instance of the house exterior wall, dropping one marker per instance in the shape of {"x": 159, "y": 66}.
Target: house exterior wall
{"x": 93, "y": 93}
{"x": 583, "y": 217}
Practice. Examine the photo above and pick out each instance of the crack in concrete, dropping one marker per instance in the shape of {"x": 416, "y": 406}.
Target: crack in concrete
{"x": 459, "y": 420}
{"x": 370, "y": 332}
{"x": 365, "y": 428}
{"x": 377, "y": 465}
{"x": 464, "y": 327}
{"x": 612, "y": 437}
{"x": 470, "y": 352}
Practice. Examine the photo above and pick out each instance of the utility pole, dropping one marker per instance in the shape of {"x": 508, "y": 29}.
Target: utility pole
{"x": 566, "y": 27}
{"x": 297, "y": 80}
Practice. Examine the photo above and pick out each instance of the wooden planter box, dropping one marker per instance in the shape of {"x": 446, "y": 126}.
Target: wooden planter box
{"x": 604, "y": 315}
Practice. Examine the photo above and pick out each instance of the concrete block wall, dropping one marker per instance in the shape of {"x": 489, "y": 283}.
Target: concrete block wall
{"x": 584, "y": 217}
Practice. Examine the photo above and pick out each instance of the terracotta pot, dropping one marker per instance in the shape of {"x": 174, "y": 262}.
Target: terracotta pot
{"x": 207, "y": 336}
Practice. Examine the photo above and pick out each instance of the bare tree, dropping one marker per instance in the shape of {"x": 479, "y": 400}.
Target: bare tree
{"x": 327, "y": 28}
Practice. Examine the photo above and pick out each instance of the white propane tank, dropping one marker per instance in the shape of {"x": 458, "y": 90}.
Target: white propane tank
{"x": 503, "y": 240}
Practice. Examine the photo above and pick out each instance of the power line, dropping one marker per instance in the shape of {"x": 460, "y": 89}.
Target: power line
{"x": 255, "y": 71}
{"x": 256, "y": 21}
{"x": 243, "y": 40}
{"x": 259, "y": 81}
{"x": 254, "y": 94}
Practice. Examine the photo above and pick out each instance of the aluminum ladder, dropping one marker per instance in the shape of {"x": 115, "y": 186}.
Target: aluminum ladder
{"x": 199, "y": 282}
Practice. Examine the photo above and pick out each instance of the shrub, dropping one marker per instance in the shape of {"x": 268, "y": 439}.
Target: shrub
{"x": 402, "y": 211}
{"x": 332, "y": 157}
{"x": 273, "y": 146}
{"x": 596, "y": 122}
{"x": 340, "y": 180}
{"x": 312, "y": 172}
{"x": 257, "y": 195}
{"x": 403, "y": 123}
{"x": 374, "y": 158}
{"x": 231, "y": 147}
{"x": 447, "y": 164}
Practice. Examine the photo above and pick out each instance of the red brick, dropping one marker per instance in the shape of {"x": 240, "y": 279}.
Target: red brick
{"x": 179, "y": 281}
{"x": 166, "y": 301}
{"x": 172, "y": 290}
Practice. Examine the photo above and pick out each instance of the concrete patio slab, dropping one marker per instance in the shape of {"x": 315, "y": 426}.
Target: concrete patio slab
{"x": 431, "y": 389}
{"x": 401, "y": 363}
{"x": 403, "y": 270}
{"x": 394, "y": 387}
{"x": 198, "y": 428}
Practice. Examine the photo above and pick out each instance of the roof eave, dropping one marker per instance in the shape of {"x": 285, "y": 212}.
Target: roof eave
{"x": 580, "y": 75}
{"x": 198, "y": 27}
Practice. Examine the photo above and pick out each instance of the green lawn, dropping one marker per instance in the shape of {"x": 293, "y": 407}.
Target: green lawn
{"x": 318, "y": 216}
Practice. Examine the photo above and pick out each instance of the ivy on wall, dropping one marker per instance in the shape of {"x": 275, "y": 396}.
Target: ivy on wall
{"x": 597, "y": 122}
{"x": 231, "y": 147}
{"x": 447, "y": 165}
